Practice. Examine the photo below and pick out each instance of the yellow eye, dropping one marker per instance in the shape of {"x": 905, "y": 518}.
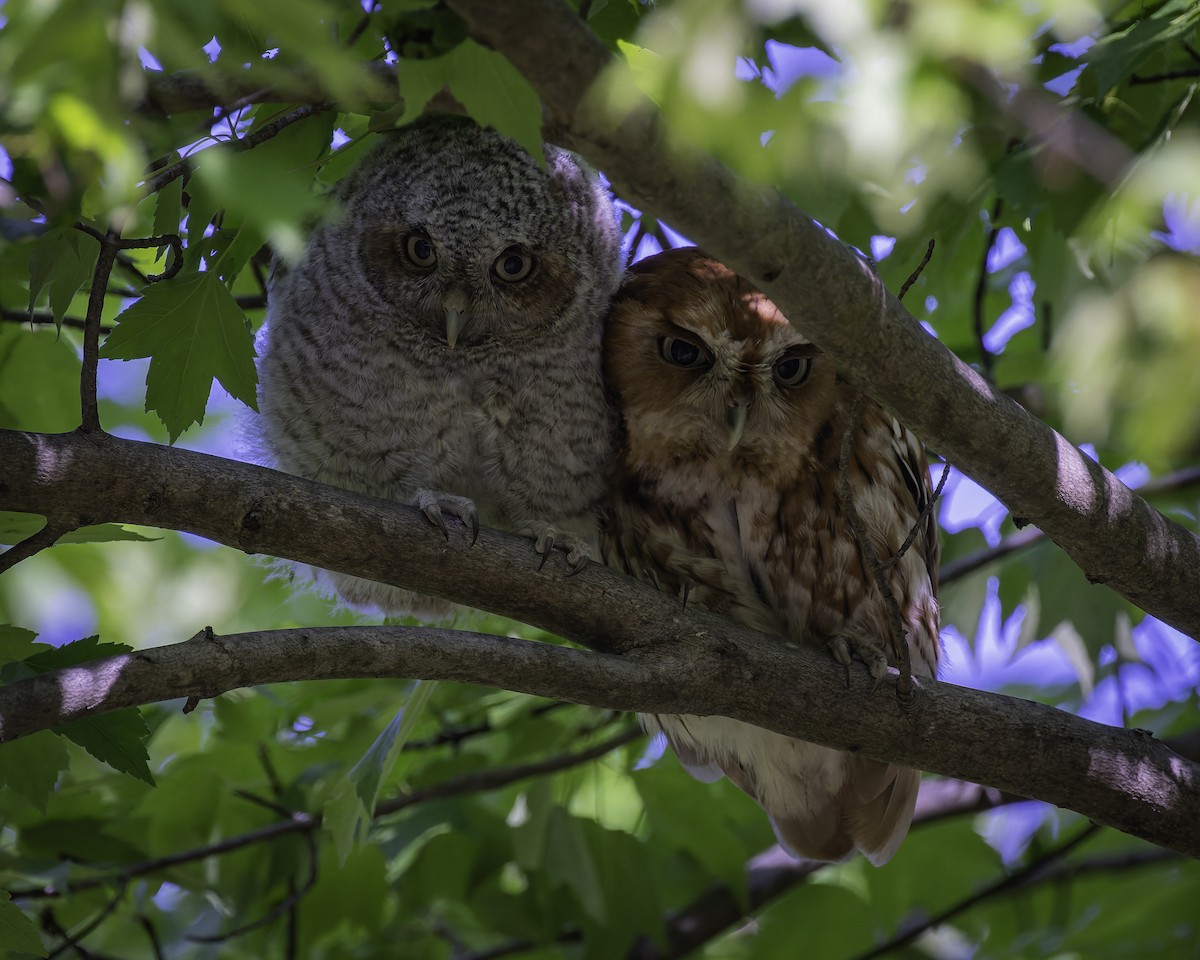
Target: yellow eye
{"x": 419, "y": 250}
{"x": 513, "y": 265}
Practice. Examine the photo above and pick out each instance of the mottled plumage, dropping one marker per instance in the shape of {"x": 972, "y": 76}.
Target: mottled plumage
{"x": 727, "y": 492}
{"x": 439, "y": 342}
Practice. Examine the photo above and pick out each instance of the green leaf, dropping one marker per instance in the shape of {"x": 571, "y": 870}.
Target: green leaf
{"x": 420, "y": 80}
{"x": 118, "y": 739}
{"x": 266, "y": 193}
{"x": 70, "y": 654}
{"x": 373, "y": 768}
{"x": 1117, "y": 56}
{"x": 30, "y": 766}
{"x": 17, "y": 931}
{"x": 569, "y": 860}
{"x": 17, "y": 643}
{"x": 424, "y": 33}
{"x": 15, "y": 527}
{"x": 62, "y": 260}
{"x": 39, "y": 380}
{"x": 497, "y": 95}
{"x": 168, "y": 210}
{"x": 345, "y": 819}
{"x": 193, "y": 331}
{"x": 92, "y": 839}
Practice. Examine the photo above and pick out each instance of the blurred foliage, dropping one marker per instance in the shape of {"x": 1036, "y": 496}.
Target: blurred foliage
{"x": 1068, "y": 271}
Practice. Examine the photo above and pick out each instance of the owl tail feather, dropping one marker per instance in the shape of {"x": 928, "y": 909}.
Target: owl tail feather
{"x": 872, "y": 813}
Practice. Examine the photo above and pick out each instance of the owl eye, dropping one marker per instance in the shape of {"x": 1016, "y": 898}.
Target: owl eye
{"x": 683, "y": 353}
{"x": 513, "y": 265}
{"x": 792, "y": 371}
{"x": 419, "y": 250}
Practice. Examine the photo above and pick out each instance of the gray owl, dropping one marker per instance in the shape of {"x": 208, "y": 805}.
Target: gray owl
{"x": 439, "y": 342}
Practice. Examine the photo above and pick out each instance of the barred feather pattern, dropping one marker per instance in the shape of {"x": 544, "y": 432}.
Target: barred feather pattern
{"x": 740, "y": 512}
{"x": 361, "y": 384}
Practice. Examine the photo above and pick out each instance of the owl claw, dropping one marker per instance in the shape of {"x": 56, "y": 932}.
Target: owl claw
{"x": 841, "y": 653}
{"x": 434, "y": 504}
{"x": 579, "y": 566}
{"x": 684, "y": 592}
{"x": 845, "y": 647}
{"x": 546, "y": 537}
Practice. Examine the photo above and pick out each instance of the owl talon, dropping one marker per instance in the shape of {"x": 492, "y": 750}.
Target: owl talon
{"x": 846, "y": 647}
{"x": 546, "y": 537}
{"x": 434, "y": 505}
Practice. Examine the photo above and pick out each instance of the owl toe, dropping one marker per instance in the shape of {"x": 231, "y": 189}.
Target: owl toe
{"x": 546, "y": 537}
{"x": 434, "y": 505}
{"x": 846, "y": 647}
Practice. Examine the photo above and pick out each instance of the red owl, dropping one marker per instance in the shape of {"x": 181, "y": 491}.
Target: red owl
{"x": 728, "y": 493}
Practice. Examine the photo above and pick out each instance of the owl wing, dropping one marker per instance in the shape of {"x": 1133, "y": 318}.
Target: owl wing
{"x": 872, "y": 808}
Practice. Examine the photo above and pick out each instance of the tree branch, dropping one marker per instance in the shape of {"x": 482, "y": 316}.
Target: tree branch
{"x": 1020, "y": 878}
{"x": 843, "y": 307}
{"x": 219, "y": 86}
{"x": 56, "y": 526}
{"x": 654, "y": 656}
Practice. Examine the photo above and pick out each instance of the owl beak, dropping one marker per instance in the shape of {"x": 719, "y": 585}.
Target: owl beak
{"x": 455, "y": 304}
{"x": 735, "y": 416}
{"x": 455, "y": 321}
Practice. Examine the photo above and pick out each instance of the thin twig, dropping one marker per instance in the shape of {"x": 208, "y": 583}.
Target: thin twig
{"x": 986, "y": 358}
{"x": 456, "y": 735}
{"x": 151, "y": 935}
{"x": 90, "y": 410}
{"x": 74, "y": 939}
{"x": 286, "y": 905}
{"x": 957, "y": 569}
{"x": 1184, "y": 74}
{"x": 360, "y": 27}
{"x": 132, "y": 268}
{"x": 292, "y": 931}
{"x": 878, "y": 571}
{"x": 912, "y": 277}
{"x": 1017, "y": 879}
{"x": 300, "y": 822}
{"x": 55, "y": 528}
{"x": 486, "y": 780}
{"x": 922, "y": 519}
{"x": 264, "y": 758}
{"x": 46, "y": 318}
{"x": 110, "y": 247}
{"x": 248, "y": 142}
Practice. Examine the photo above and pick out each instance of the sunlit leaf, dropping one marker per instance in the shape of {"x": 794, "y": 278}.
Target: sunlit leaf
{"x": 194, "y": 332}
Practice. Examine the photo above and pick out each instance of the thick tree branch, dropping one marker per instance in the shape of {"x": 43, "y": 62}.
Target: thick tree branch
{"x": 842, "y": 306}
{"x": 655, "y": 656}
